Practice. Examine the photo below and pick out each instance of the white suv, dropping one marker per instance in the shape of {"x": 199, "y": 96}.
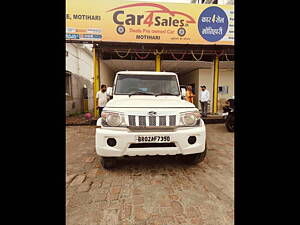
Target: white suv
{"x": 148, "y": 117}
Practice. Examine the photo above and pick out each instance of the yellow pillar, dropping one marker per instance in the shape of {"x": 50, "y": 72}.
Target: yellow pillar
{"x": 96, "y": 60}
{"x": 157, "y": 62}
{"x": 216, "y": 85}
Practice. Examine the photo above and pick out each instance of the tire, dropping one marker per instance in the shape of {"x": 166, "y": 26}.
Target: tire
{"x": 107, "y": 162}
{"x": 194, "y": 159}
{"x": 229, "y": 123}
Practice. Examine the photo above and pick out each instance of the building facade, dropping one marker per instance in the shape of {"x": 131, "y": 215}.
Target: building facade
{"x": 79, "y": 78}
{"x": 116, "y": 55}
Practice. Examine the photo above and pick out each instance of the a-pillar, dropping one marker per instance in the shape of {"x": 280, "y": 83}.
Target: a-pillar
{"x": 96, "y": 60}
{"x": 215, "y": 85}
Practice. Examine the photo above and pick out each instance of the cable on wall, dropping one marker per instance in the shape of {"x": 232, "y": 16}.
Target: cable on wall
{"x": 142, "y": 57}
{"x": 116, "y": 51}
{"x": 178, "y": 58}
{"x": 195, "y": 56}
{"x": 219, "y": 54}
{"x": 158, "y": 52}
{"x": 226, "y": 57}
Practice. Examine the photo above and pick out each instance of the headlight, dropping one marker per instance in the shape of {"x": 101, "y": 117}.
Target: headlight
{"x": 190, "y": 119}
{"x": 112, "y": 119}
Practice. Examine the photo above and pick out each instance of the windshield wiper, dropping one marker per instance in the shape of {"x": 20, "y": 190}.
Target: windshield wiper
{"x": 165, "y": 93}
{"x": 140, "y": 93}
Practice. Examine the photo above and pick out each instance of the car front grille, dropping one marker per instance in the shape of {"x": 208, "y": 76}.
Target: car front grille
{"x": 172, "y": 120}
{"x": 162, "y": 121}
{"x": 131, "y": 120}
{"x": 152, "y": 121}
{"x": 142, "y": 121}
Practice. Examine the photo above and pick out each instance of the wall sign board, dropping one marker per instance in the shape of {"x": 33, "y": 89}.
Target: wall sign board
{"x": 149, "y": 22}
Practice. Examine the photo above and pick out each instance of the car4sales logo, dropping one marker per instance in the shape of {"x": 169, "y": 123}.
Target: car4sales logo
{"x": 159, "y": 16}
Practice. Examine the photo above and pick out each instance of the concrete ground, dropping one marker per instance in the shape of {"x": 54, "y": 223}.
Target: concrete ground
{"x": 149, "y": 190}
{"x": 79, "y": 119}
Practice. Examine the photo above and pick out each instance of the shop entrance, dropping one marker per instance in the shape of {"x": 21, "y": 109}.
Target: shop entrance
{"x": 195, "y": 65}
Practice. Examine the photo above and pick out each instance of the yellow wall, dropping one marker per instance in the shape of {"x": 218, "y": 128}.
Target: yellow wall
{"x": 106, "y": 75}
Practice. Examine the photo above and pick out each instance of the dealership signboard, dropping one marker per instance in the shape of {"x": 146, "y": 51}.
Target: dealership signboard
{"x": 149, "y": 22}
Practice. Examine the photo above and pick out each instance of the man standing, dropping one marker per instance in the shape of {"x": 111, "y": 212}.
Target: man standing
{"x": 203, "y": 100}
{"x": 102, "y": 98}
{"x": 189, "y": 94}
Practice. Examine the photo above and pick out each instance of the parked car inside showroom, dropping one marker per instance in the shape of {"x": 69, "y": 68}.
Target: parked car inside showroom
{"x": 147, "y": 116}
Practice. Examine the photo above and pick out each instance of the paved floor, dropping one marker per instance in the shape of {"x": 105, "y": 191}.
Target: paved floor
{"x": 80, "y": 119}
{"x": 149, "y": 190}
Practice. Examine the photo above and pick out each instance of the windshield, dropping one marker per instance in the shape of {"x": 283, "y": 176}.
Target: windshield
{"x": 156, "y": 84}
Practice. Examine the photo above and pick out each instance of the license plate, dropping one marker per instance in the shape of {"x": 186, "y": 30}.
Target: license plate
{"x": 225, "y": 114}
{"x": 152, "y": 139}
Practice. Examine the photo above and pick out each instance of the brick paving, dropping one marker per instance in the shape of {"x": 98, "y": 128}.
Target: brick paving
{"x": 78, "y": 120}
{"x": 157, "y": 190}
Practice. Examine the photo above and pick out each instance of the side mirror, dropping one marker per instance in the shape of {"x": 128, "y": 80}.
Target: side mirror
{"x": 183, "y": 92}
{"x": 109, "y": 91}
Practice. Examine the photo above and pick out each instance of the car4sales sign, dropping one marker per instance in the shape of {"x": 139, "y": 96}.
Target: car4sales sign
{"x": 149, "y": 22}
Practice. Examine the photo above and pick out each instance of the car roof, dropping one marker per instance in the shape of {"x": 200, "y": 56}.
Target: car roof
{"x": 146, "y": 73}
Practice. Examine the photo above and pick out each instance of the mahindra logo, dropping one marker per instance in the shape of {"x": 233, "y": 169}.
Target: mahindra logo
{"x": 152, "y": 113}
{"x": 150, "y": 19}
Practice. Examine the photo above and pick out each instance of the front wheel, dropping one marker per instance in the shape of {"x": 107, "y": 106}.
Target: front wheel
{"x": 107, "y": 162}
{"x": 229, "y": 123}
{"x": 196, "y": 158}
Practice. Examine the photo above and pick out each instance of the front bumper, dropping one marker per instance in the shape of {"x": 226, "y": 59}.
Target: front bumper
{"x": 125, "y": 137}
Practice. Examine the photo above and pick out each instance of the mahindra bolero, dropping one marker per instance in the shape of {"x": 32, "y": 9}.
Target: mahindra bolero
{"x": 147, "y": 116}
